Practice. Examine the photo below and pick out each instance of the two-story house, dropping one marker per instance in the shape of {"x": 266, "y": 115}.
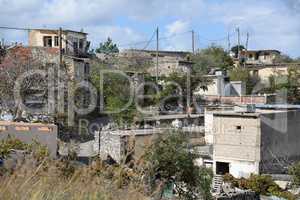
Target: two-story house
{"x": 74, "y": 48}
{"x": 259, "y": 57}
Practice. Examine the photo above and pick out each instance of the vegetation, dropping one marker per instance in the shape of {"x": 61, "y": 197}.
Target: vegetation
{"x": 294, "y": 171}
{"x": 283, "y": 59}
{"x": 243, "y": 74}
{"x": 117, "y": 93}
{"x": 237, "y": 48}
{"x": 36, "y": 149}
{"x": 288, "y": 84}
{"x": 261, "y": 184}
{"x": 175, "y": 95}
{"x": 211, "y": 57}
{"x": 107, "y": 47}
{"x": 169, "y": 160}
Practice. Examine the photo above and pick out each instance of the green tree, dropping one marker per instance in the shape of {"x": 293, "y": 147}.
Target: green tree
{"x": 107, "y": 47}
{"x": 180, "y": 90}
{"x": 169, "y": 159}
{"x": 294, "y": 171}
{"x": 211, "y": 57}
{"x": 236, "y": 49}
{"x": 116, "y": 91}
{"x": 283, "y": 59}
{"x": 243, "y": 74}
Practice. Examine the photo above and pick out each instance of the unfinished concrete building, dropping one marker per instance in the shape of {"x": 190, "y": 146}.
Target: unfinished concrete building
{"x": 260, "y": 142}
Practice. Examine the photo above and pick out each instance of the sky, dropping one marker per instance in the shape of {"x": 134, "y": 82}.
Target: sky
{"x": 271, "y": 24}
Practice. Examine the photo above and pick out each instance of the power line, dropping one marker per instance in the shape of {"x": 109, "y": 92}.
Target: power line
{"x": 146, "y": 42}
{"x": 15, "y": 28}
{"x": 151, "y": 39}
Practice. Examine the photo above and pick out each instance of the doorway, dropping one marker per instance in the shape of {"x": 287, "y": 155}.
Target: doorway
{"x": 222, "y": 168}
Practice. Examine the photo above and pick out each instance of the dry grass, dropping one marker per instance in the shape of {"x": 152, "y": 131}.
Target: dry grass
{"x": 61, "y": 180}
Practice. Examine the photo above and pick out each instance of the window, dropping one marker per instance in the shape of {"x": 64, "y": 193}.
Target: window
{"x": 266, "y": 55}
{"x": 47, "y": 41}
{"x": 81, "y": 44}
{"x": 75, "y": 47}
{"x": 86, "y": 69}
{"x": 238, "y": 128}
{"x": 56, "y": 41}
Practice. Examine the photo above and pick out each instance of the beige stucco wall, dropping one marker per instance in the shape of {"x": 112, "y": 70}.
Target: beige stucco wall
{"x": 265, "y": 73}
{"x": 36, "y": 39}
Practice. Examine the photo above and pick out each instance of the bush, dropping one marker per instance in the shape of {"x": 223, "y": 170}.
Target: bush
{"x": 261, "y": 184}
{"x": 169, "y": 160}
{"x": 294, "y": 171}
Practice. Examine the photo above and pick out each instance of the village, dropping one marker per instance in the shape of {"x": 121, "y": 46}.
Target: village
{"x": 238, "y": 110}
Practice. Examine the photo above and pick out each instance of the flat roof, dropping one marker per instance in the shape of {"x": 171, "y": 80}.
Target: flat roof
{"x": 56, "y": 30}
{"x": 169, "y": 117}
{"x": 255, "y": 114}
{"x": 10, "y": 123}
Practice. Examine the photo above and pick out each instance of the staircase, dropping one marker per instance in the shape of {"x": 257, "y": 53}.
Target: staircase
{"x": 217, "y": 184}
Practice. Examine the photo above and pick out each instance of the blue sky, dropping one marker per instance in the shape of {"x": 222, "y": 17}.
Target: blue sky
{"x": 272, "y": 24}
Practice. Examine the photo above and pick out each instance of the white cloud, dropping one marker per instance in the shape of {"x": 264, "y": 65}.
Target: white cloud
{"x": 120, "y": 35}
{"x": 178, "y": 36}
{"x": 272, "y": 24}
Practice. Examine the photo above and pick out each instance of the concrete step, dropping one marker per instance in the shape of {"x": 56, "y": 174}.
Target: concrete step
{"x": 217, "y": 183}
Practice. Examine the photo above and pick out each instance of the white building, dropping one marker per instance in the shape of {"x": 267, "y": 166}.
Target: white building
{"x": 263, "y": 141}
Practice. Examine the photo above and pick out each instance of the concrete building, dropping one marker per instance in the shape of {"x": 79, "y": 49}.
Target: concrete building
{"x": 259, "y": 57}
{"x": 279, "y": 70}
{"x": 73, "y": 42}
{"x": 221, "y": 86}
{"x": 260, "y": 142}
{"x": 45, "y": 134}
{"x": 120, "y": 143}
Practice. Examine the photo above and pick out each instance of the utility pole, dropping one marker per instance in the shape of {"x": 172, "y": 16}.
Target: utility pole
{"x": 157, "y": 48}
{"x": 228, "y": 41}
{"x": 188, "y": 78}
{"x": 60, "y": 46}
{"x": 61, "y": 93}
{"x": 193, "y": 41}
{"x": 246, "y": 56}
{"x": 247, "y": 41}
{"x": 239, "y": 42}
{"x": 2, "y": 42}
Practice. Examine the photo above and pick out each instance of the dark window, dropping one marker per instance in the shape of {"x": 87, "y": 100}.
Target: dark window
{"x": 81, "y": 44}
{"x": 47, "y": 41}
{"x": 86, "y": 69}
{"x": 56, "y": 42}
{"x": 222, "y": 168}
{"x": 75, "y": 47}
{"x": 238, "y": 128}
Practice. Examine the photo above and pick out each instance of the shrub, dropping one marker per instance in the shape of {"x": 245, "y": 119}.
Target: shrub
{"x": 294, "y": 171}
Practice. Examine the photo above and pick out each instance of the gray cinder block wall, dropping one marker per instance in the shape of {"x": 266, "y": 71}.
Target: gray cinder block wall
{"x": 45, "y": 134}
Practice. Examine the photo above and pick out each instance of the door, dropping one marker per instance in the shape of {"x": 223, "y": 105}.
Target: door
{"x": 222, "y": 168}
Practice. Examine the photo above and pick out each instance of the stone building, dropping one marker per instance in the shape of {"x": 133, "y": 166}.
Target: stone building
{"x": 260, "y": 142}
{"x": 168, "y": 61}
